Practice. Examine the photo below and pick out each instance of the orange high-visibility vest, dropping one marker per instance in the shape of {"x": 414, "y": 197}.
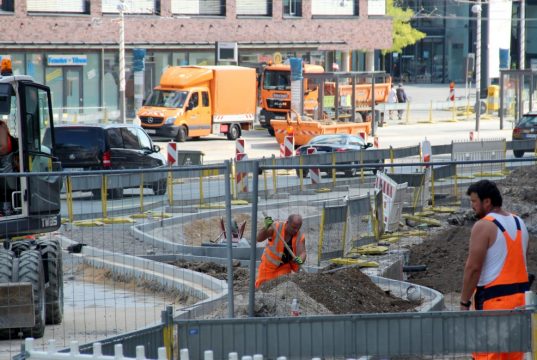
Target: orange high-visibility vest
{"x": 271, "y": 265}
{"x": 507, "y": 290}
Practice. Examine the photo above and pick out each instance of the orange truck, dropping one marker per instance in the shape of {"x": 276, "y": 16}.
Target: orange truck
{"x": 195, "y": 101}
{"x": 276, "y": 93}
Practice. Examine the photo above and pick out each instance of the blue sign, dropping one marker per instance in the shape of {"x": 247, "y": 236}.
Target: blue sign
{"x": 138, "y": 56}
{"x": 504, "y": 58}
{"x": 296, "y": 68}
{"x": 67, "y": 60}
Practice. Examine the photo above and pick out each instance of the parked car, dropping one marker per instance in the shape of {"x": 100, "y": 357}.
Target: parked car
{"x": 336, "y": 143}
{"x": 108, "y": 147}
{"x": 525, "y": 129}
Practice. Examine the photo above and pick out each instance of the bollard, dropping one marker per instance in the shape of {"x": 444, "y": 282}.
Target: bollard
{"x": 69, "y": 199}
{"x": 431, "y": 112}
{"x": 241, "y": 178}
{"x": 314, "y": 172}
{"x": 239, "y": 147}
{"x": 172, "y": 153}
{"x": 289, "y": 144}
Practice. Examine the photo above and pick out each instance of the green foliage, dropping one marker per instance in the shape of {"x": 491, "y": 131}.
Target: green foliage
{"x": 402, "y": 32}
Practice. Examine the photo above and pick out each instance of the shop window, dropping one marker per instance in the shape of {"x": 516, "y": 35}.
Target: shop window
{"x": 199, "y": 7}
{"x": 35, "y": 67}
{"x": 292, "y": 8}
{"x": 334, "y": 7}
{"x": 91, "y": 75}
{"x": 132, "y": 6}
{"x": 7, "y": 5}
{"x": 179, "y": 59}
{"x": 201, "y": 58}
{"x": 254, "y": 8}
{"x": 58, "y": 6}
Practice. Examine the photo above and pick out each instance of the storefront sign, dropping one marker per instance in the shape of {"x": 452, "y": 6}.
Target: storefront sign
{"x": 67, "y": 60}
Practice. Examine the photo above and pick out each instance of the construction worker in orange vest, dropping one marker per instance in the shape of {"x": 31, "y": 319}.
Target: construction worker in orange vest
{"x": 451, "y": 91}
{"x": 496, "y": 265}
{"x": 277, "y": 259}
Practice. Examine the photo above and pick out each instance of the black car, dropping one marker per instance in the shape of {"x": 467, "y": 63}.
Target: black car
{"x": 525, "y": 129}
{"x": 107, "y": 147}
{"x": 336, "y": 143}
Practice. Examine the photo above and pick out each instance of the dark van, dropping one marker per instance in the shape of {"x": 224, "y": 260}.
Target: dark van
{"x": 107, "y": 147}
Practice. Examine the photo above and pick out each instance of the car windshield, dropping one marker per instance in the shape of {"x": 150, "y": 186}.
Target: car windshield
{"x": 528, "y": 121}
{"x": 277, "y": 80}
{"x": 337, "y": 140}
{"x": 167, "y": 98}
{"x": 79, "y": 137}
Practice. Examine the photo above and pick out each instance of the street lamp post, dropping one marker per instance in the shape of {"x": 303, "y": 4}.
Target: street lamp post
{"x": 122, "y": 106}
{"x": 522, "y": 47}
{"x": 476, "y": 9}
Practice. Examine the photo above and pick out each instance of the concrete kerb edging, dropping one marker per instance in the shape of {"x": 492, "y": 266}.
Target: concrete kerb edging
{"x": 211, "y": 290}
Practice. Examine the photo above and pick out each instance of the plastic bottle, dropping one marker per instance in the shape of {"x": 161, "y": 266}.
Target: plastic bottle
{"x": 295, "y": 310}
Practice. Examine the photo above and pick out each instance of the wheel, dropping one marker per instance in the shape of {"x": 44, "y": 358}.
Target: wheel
{"x": 304, "y": 172}
{"x": 159, "y": 187}
{"x": 19, "y": 246}
{"x": 351, "y": 172}
{"x": 271, "y": 131}
{"x": 6, "y": 266}
{"x": 52, "y": 263}
{"x": 31, "y": 270}
{"x": 182, "y": 134}
{"x": 234, "y": 132}
{"x": 518, "y": 153}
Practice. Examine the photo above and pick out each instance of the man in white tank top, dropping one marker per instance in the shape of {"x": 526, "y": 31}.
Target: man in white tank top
{"x": 496, "y": 265}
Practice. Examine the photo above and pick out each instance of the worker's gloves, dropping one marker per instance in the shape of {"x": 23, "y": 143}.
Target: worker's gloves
{"x": 268, "y": 222}
{"x": 299, "y": 260}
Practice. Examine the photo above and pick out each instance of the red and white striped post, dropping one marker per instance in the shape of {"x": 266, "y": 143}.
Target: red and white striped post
{"x": 471, "y": 136}
{"x": 172, "y": 153}
{"x": 239, "y": 147}
{"x": 376, "y": 142}
{"x": 241, "y": 179}
{"x": 363, "y": 135}
{"x": 282, "y": 150}
{"x": 289, "y": 145}
{"x": 315, "y": 174}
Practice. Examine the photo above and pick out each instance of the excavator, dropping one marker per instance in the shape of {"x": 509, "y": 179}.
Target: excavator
{"x": 31, "y": 276}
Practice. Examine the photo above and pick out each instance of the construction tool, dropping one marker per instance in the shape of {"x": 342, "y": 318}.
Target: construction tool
{"x": 285, "y": 243}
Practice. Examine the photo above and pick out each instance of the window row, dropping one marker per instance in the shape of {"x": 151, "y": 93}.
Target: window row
{"x": 291, "y": 8}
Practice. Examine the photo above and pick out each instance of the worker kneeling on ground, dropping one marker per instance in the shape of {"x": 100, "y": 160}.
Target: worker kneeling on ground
{"x": 279, "y": 258}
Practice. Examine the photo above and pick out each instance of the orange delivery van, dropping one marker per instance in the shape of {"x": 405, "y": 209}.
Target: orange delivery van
{"x": 195, "y": 101}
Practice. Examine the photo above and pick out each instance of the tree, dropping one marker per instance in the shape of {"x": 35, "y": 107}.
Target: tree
{"x": 402, "y": 32}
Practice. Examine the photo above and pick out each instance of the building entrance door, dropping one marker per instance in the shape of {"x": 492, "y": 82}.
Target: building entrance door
{"x": 73, "y": 91}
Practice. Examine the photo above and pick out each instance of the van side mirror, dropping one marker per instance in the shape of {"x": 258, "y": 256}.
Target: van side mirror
{"x": 368, "y": 145}
{"x": 143, "y": 102}
{"x": 156, "y": 148}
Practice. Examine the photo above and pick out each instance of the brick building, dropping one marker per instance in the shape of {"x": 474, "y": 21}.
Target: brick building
{"x": 72, "y": 45}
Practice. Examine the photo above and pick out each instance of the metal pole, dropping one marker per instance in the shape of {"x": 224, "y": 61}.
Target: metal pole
{"x": 476, "y": 9}
{"x": 253, "y": 240}
{"x": 122, "y": 105}
{"x": 230, "y": 305}
{"x": 522, "y": 47}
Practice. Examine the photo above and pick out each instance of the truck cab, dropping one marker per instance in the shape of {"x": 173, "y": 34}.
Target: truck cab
{"x": 29, "y": 204}
{"x": 276, "y": 92}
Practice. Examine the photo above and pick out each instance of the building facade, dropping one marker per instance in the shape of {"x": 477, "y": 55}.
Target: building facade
{"x": 72, "y": 45}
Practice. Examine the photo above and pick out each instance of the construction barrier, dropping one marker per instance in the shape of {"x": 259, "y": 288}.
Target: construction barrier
{"x": 241, "y": 178}
{"x": 172, "y": 153}
{"x": 289, "y": 146}
{"x": 239, "y": 147}
{"x": 392, "y": 196}
{"x": 489, "y": 149}
{"x": 315, "y": 174}
{"x": 376, "y": 142}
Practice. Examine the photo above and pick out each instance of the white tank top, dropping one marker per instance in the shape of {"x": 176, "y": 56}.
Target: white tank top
{"x": 497, "y": 253}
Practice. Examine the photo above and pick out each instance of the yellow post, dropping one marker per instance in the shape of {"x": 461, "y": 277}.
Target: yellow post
{"x": 75, "y": 118}
{"x": 141, "y": 192}
{"x": 170, "y": 187}
{"x": 104, "y": 194}
{"x": 301, "y": 173}
{"x": 407, "y": 114}
{"x": 167, "y": 331}
{"x": 431, "y": 112}
{"x": 105, "y": 116}
{"x": 274, "y": 180}
{"x": 333, "y": 169}
{"x": 344, "y": 238}
{"x": 233, "y": 177}
{"x": 321, "y": 238}
{"x": 69, "y": 198}
{"x": 201, "y": 188}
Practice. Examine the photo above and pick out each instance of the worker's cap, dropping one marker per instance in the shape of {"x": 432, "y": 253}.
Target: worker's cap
{"x": 400, "y": 85}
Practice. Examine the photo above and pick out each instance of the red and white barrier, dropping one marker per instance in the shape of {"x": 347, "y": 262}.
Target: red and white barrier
{"x": 376, "y": 142}
{"x": 471, "y": 136}
{"x": 289, "y": 146}
{"x": 315, "y": 174}
{"x": 241, "y": 179}
{"x": 392, "y": 200}
{"x": 363, "y": 135}
{"x": 240, "y": 147}
{"x": 282, "y": 150}
{"x": 172, "y": 153}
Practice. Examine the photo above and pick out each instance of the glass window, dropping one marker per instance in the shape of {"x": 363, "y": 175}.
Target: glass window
{"x": 199, "y": 7}
{"x": 145, "y": 142}
{"x": 194, "y": 101}
{"x": 114, "y": 137}
{"x": 180, "y": 58}
{"x": 292, "y": 8}
{"x": 205, "y": 98}
{"x": 110, "y": 85}
{"x": 133, "y": 6}
{"x": 162, "y": 61}
{"x": 19, "y": 67}
{"x": 254, "y": 8}
{"x": 59, "y": 6}
{"x": 331, "y": 7}
{"x": 130, "y": 138}
{"x": 35, "y": 67}
{"x": 201, "y": 58}
{"x": 54, "y": 80}
{"x": 7, "y": 5}
{"x": 91, "y": 73}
